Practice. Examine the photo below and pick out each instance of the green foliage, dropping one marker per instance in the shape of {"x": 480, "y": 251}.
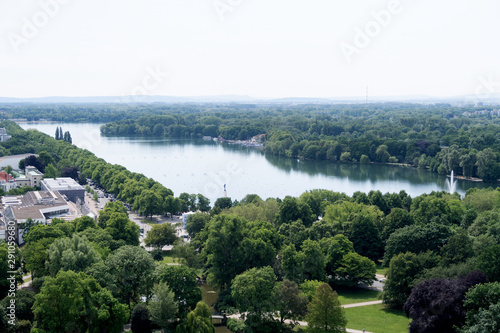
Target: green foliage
{"x": 121, "y": 228}
{"x": 355, "y": 269}
{"x": 140, "y": 321}
{"x": 198, "y": 321}
{"x": 75, "y": 254}
{"x": 233, "y": 244}
{"x": 309, "y": 288}
{"x": 39, "y": 232}
{"x": 291, "y": 302}
{"x": 73, "y": 302}
{"x": 404, "y": 268}
{"x": 489, "y": 262}
{"x": 83, "y": 223}
{"x": 196, "y": 222}
{"x": 162, "y": 306}
{"x": 253, "y": 292}
{"x": 161, "y": 235}
{"x": 416, "y": 239}
{"x": 182, "y": 281}
{"x": 50, "y": 172}
{"x": 35, "y": 256}
{"x": 127, "y": 272}
{"x": 325, "y": 313}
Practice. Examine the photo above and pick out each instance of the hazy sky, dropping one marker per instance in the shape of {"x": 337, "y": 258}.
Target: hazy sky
{"x": 261, "y": 48}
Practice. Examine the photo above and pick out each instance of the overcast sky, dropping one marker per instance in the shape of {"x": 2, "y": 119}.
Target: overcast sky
{"x": 261, "y": 48}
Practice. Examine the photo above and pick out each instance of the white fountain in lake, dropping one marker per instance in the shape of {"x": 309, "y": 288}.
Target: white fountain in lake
{"x": 452, "y": 184}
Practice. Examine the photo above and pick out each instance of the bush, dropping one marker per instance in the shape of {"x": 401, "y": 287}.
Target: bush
{"x": 157, "y": 254}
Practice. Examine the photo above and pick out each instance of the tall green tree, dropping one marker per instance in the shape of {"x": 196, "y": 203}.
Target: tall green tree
{"x": 162, "y": 306}
{"x": 75, "y": 254}
{"x": 182, "y": 281}
{"x": 161, "y": 235}
{"x": 325, "y": 313}
{"x": 198, "y": 321}
{"x": 129, "y": 269}
{"x": 253, "y": 293}
{"x": 72, "y": 302}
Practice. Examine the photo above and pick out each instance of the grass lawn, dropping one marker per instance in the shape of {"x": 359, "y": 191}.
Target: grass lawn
{"x": 381, "y": 270}
{"x": 377, "y": 319}
{"x": 167, "y": 257}
{"x": 356, "y": 295}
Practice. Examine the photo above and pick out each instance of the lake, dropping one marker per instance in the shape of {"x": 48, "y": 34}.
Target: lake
{"x": 199, "y": 166}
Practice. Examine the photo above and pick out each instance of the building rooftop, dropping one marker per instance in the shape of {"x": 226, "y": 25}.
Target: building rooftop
{"x": 4, "y": 176}
{"x": 62, "y": 184}
{"x": 35, "y": 204}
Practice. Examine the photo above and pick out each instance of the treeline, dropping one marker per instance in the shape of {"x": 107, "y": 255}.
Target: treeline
{"x": 438, "y": 137}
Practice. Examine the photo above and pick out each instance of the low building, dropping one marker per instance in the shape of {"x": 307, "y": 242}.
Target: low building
{"x": 33, "y": 175}
{"x": 3, "y": 135}
{"x": 7, "y": 182}
{"x": 66, "y": 186}
{"x": 39, "y": 206}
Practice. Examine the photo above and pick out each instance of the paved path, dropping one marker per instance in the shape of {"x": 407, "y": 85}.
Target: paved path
{"x": 25, "y": 284}
{"x": 354, "y": 305}
{"x": 304, "y": 323}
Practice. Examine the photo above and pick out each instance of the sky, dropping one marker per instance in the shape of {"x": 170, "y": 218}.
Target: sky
{"x": 259, "y": 48}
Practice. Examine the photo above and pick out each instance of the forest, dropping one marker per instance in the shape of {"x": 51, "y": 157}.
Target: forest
{"x": 272, "y": 259}
{"x": 437, "y": 137}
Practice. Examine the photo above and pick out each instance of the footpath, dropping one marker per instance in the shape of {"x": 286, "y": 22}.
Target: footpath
{"x": 304, "y": 323}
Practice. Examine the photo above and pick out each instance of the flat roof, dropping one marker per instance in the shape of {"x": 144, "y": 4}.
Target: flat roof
{"x": 34, "y": 204}
{"x": 62, "y": 184}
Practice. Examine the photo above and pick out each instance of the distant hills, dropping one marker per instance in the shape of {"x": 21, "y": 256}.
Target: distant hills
{"x": 421, "y": 99}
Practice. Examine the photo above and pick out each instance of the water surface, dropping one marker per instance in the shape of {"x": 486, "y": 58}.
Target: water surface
{"x": 198, "y": 166}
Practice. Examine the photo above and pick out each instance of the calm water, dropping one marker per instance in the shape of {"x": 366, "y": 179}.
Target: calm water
{"x": 197, "y": 166}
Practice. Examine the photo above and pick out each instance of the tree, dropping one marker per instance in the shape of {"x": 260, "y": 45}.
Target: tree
{"x": 50, "y": 171}
{"x": 487, "y": 167}
{"x": 129, "y": 272}
{"x": 203, "y": 203}
{"x": 482, "y": 303}
{"x": 149, "y": 203}
{"x": 325, "y": 313}
{"x": 314, "y": 260}
{"x": 182, "y": 281}
{"x": 457, "y": 249}
{"x": 139, "y": 319}
{"x": 253, "y": 293}
{"x": 72, "y": 302}
{"x": 223, "y": 203}
{"x": 364, "y": 235}
{"x": 292, "y": 263}
{"x": 35, "y": 255}
{"x": 355, "y": 269}
{"x": 187, "y": 254}
{"x": 309, "y": 288}
{"x": 162, "y": 306}
{"x": 416, "y": 239}
{"x": 437, "y": 305}
{"x": 195, "y": 223}
{"x": 83, "y": 223}
{"x": 40, "y": 231}
{"x": 489, "y": 262}
{"x": 233, "y": 244}
{"x": 198, "y": 321}
{"x": 75, "y": 254}
{"x": 291, "y": 301}
{"x": 403, "y": 270}
{"x": 121, "y": 228}
{"x": 396, "y": 219}
{"x": 161, "y": 235}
